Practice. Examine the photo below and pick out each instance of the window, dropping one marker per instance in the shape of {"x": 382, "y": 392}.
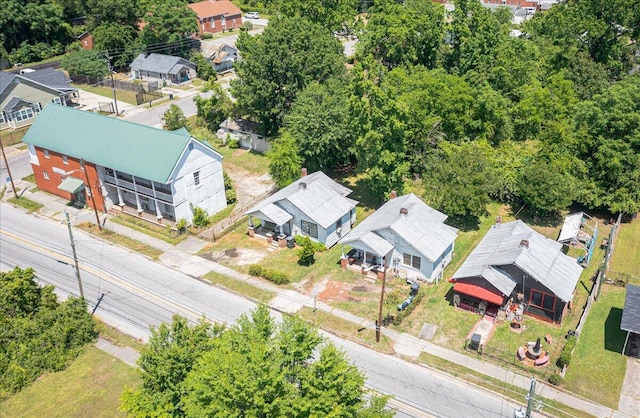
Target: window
{"x": 2, "y": 119}
{"x": 57, "y": 100}
{"x": 45, "y": 175}
{"x": 212, "y": 22}
{"x": 309, "y": 228}
{"x": 196, "y": 178}
{"x": 542, "y": 300}
{"x": 109, "y": 172}
{"x": 46, "y": 153}
{"x": 411, "y": 260}
{"x": 64, "y": 160}
{"x": 23, "y": 114}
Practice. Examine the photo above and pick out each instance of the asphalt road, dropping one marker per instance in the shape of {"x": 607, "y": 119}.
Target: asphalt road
{"x": 19, "y": 165}
{"x": 133, "y": 293}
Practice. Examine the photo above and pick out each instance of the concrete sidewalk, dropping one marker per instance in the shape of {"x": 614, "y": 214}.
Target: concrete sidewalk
{"x": 182, "y": 257}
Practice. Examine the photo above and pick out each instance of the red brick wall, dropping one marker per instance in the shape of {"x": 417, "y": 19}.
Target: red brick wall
{"x": 87, "y": 42}
{"x": 73, "y": 165}
{"x": 231, "y": 23}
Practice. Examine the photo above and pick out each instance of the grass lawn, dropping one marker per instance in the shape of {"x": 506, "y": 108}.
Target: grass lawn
{"x": 116, "y": 238}
{"x": 89, "y": 387}
{"x": 25, "y": 203}
{"x": 239, "y": 287}
{"x": 624, "y": 263}
{"x": 347, "y": 329}
{"x": 30, "y": 178}
{"x": 597, "y": 369}
{"x": 156, "y": 231}
{"x": 126, "y": 96}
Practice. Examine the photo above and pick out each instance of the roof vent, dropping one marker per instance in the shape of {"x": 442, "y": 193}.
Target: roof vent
{"x": 524, "y": 243}
{"x": 302, "y": 185}
{"x": 404, "y": 211}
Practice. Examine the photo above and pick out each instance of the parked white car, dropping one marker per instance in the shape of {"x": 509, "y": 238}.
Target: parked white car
{"x": 252, "y": 15}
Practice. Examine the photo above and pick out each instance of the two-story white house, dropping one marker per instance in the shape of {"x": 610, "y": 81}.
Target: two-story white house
{"x": 156, "y": 174}
{"x": 404, "y": 234}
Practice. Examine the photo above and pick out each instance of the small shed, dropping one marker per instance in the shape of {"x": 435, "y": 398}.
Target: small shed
{"x": 631, "y": 320}
{"x": 246, "y": 132}
{"x": 579, "y": 230}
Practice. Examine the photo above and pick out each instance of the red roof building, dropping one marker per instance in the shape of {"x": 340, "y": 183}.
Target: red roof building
{"x": 217, "y": 16}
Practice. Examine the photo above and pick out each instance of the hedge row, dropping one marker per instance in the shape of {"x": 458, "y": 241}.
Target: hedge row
{"x": 397, "y": 320}
{"x": 565, "y": 355}
{"x": 274, "y": 276}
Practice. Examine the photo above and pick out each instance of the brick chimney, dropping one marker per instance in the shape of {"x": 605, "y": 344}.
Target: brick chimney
{"x": 393, "y": 194}
{"x": 303, "y": 172}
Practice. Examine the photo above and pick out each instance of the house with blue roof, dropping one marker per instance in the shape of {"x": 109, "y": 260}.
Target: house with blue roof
{"x": 122, "y": 166}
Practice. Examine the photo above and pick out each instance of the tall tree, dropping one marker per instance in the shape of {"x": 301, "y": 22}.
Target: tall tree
{"x": 284, "y": 160}
{"x": 118, "y": 39}
{"x": 165, "y": 362}
{"x": 258, "y": 368}
{"x": 332, "y": 14}
{"x": 281, "y": 62}
{"x": 85, "y": 62}
{"x": 460, "y": 178}
{"x": 214, "y": 110}
{"x": 404, "y": 34}
{"x": 169, "y": 21}
{"x": 321, "y": 125}
{"x": 174, "y": 118}
{"x": 475, "y": 34}
{"x": 122, "y": 12}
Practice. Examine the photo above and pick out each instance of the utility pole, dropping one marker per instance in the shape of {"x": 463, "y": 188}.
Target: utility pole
{"x": 530, "y": 398}
{"x": 73, "y": 250}
{"x": 379, "y": 322}
{"x": 6, "y": 163}
{"x": 93, "y": 199}
{"x": 113, "y": 84}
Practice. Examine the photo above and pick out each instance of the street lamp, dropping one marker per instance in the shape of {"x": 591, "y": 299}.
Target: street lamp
{"x": 90, "y": 192}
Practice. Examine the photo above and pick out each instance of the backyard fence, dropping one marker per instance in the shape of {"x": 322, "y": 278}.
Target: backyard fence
{"x": 108, "y": 82}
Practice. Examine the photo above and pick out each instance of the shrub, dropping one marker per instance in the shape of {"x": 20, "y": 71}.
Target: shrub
{"x": 274, "y": 276}
{"x": 227, "y": 181}
{"x": 306, "y": 254}
{"x": 397, "y": 320}
{"x": 302, "y": 240}
{"x": 247, "y": 25}
{"x": 233, "y": 143}
{"x": 231, "y": 196}
{"x": 565, "y": 355}
{"x": 255, "y": 270}
{"x": 555, "y": 379}
{"x": 207, "y": 35}
{"x": 200, "y": 217}
{"x": 181, "y": 225}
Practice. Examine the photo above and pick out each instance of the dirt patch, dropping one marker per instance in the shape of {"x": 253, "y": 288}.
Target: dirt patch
{"x": 247, "y": 186}
{"x": 335, "y": 291}
{"x": 236, "y": 256}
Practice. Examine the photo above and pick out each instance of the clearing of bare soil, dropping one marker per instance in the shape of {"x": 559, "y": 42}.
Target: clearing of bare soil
{"x": 336, "y": 291}
{"x": 236, "y": 256}
{"x": 248, "y": 186}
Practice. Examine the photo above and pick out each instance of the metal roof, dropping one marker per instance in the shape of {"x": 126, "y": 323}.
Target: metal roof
{"x": 160, "y": 63}
{"x": 421, "y": 226}
{"x": 71, "y": 184}
{"x": 571, "y": 227}
{"x": 124, "y": 146}
{"x": 316, "y": 195}
{"x": 631, "y": 313}
{"x": 515, "y": 243}
{"x": 276, "y": 214}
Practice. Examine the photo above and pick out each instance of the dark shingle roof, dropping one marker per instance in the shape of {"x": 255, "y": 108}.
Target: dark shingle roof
{"x": 631, "y": 314}
{"x": 50, "y": 77}
{"x": 5, "y": 80}
{"x": 159, "y": 63}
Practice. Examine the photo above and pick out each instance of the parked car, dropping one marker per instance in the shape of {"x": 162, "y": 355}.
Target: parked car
{"x": 252, "y": 15}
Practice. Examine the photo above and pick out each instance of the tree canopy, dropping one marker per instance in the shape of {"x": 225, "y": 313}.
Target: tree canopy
{"x": 37, "y": 334}
{"x": 281, "y": 62}
{"x": 255, "y": 368}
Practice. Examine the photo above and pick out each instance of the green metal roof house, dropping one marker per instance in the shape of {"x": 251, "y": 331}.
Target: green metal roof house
{"x": 150, "y": 172}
